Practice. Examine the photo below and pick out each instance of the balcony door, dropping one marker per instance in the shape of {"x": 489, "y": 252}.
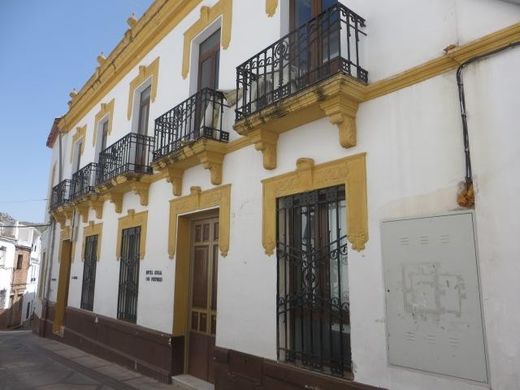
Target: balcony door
{"x": 316, "y": 46}
{"x": 142, "y": 129}
{"x": 209, "y": 60}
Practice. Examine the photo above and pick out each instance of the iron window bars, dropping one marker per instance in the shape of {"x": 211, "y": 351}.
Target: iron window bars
{"x": 313, "y": 320}
{"x": 132, "y": 154}
{"x": 199, "y": 116}
{"x": 326, "y": 45}
{"x": 84, "y": 181}
{"x": 129, "y": 275}
{"x": 60, "y": 194}
{"x": 89, "y": 273}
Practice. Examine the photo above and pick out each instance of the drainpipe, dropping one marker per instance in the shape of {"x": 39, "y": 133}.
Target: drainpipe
{"x": 466, "y": 198}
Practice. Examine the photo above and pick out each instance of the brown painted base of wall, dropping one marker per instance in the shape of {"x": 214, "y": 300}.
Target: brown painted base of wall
{"x": 144, "y": 350}
{"x": 239, "y": 371}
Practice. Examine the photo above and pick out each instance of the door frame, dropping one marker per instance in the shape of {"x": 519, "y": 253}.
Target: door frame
{"x": 63, "y": 286}
{"x": 182, "y": 293}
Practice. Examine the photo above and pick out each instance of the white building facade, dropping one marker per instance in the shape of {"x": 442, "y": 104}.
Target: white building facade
{"x": 284, "y": 194}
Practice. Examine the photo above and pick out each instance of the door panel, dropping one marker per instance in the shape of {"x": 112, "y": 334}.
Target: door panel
{"x": 203, "y": 310}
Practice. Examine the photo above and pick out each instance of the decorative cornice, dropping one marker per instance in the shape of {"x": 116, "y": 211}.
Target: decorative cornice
{"x": 145, "y": 72}
{"x": 200, "y": 200}
{"x": 270, "y": 7}
{"x": 106, "y": 111}
{"x": 92, "y": 230}
{"x": 133, "y": 219}
{"x": 224, "y": 9}
{"x": 161, "y": 18}
{"x": 349, "y": 171}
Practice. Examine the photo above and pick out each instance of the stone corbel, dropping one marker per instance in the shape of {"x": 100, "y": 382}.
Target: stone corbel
{"x": 83, "y": 209}
{"x": 213, "y": 160}
{"x": 97, "y": 205}
{"x": 175, "y": 176}
{"x": 342, "y": 113}
{"x": 117, "y": 199}
{"x": 266, "y": 142}
{"x": 60, "y": 218}
{"x": 141, "y": 189}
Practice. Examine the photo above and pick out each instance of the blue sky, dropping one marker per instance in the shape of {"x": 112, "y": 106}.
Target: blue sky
{"x": 47, "y": 48}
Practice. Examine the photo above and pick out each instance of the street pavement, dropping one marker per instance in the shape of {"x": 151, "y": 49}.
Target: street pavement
{"x": 31, "y": 362}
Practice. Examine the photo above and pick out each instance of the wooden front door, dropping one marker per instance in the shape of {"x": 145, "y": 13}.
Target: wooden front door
{"x": 203, "y": 300}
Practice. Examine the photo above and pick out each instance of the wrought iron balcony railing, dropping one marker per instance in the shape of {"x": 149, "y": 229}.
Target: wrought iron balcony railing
{"x": 132, "y": 154}
{"x": 326, "y": 45}
{"x": 60, "y": 194}
{"x": 83, "y": 181}
{"x": 200, "y": 116}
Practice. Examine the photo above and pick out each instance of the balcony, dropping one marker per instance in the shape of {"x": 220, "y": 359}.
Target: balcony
{"x": 60, "y": 194}
{"x": 190, "y": 134}
{"x": 83, "y": 182}
{"x": 312, "y": 72}
{"x": 130, "y": 156}
{"x": 122, "y": 167}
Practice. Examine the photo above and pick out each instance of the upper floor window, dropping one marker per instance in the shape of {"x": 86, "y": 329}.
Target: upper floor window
{"x": 77, "y": 155}
{"x": 209, "y": 58}
{"x": 104, "y": 135}
{"x": 144, "y": 111}
{"x": 2, "y": 256}
{"x": 304, "y": 10}
{"x": 19, "y": 263}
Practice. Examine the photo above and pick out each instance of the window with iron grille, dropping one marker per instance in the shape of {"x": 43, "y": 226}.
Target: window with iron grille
{"x": 312, "y": 298}
{"x": 89, "y": 273}
{"x": 129, "y": 275}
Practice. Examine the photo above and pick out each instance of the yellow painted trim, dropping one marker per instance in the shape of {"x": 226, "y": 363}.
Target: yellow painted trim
{"x": 160, "y": 18}
{"x": 80, "y": 134}
{"x": 182, "y": 278}
{"x": 450, "y": 61}
{"x": 224, "y": 9}
{"x": 145, "y": 72}
{"x": 270, "y": 7}
{"x": 106, "y": 111}
{"x": 197, "y": 201}
{"x": 92, "y": 230}
{"x": 349, "y": 171}
{"x": 63, "y": 286}
{"x": 133, "y": 219}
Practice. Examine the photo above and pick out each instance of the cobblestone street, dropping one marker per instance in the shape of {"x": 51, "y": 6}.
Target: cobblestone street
{"x": 30, "y": 362}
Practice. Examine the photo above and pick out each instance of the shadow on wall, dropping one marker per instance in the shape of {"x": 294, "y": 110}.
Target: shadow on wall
{"x": 19, "y": 313}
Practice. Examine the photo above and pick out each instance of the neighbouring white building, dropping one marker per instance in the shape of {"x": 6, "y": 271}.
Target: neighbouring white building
{"x": 20, "y": 247}
{"x": 295, "y": 195}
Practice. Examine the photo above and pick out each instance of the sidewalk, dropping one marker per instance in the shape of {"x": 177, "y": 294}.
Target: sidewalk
{"x": 31, "y": 362}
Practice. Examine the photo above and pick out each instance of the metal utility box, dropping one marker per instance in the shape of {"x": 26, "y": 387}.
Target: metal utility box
{"x": 433, "y": 308}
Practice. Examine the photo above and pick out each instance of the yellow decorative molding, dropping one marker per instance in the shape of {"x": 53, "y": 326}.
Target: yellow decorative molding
{"x": 133, "y": 219}
{"x": 83, "y": 209}
{"x": 337, "y": 97}
{"x": 197, "y": 201}
{"x": 79, "y": 135}
{"x": 145, "y": 72}
{"x": 349, "y": 171}
{"x": 106, "y": 111}
{"x": 62, "y": 215}
{"x": 209, "y": 153}
{"x": 141, "y": 189}
{"x": 97, "y": 205}
{"x": 224, "y": 9}
{"x": 66, "y": 235}
{"x": 92, "y": 230}
{"x": 160, "y": 18}
{"x": 270, "y": 7}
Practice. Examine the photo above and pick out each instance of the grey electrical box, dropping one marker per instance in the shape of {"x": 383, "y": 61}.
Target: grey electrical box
{"x": 433, "y": 308}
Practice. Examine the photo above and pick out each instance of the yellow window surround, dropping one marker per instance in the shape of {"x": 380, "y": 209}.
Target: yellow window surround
{"x": 145, "y": 72}
{"x": 133, "y": 219}
{"x": 106, "y": 111}
{"x": 92, "y": 230}
{"x": 224, "y": 9}
{"x": 349, "y": 171}
{"x": 79, "y": 135}
{"x": 66, "y": 234}
{"x": 197, "y": 201}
